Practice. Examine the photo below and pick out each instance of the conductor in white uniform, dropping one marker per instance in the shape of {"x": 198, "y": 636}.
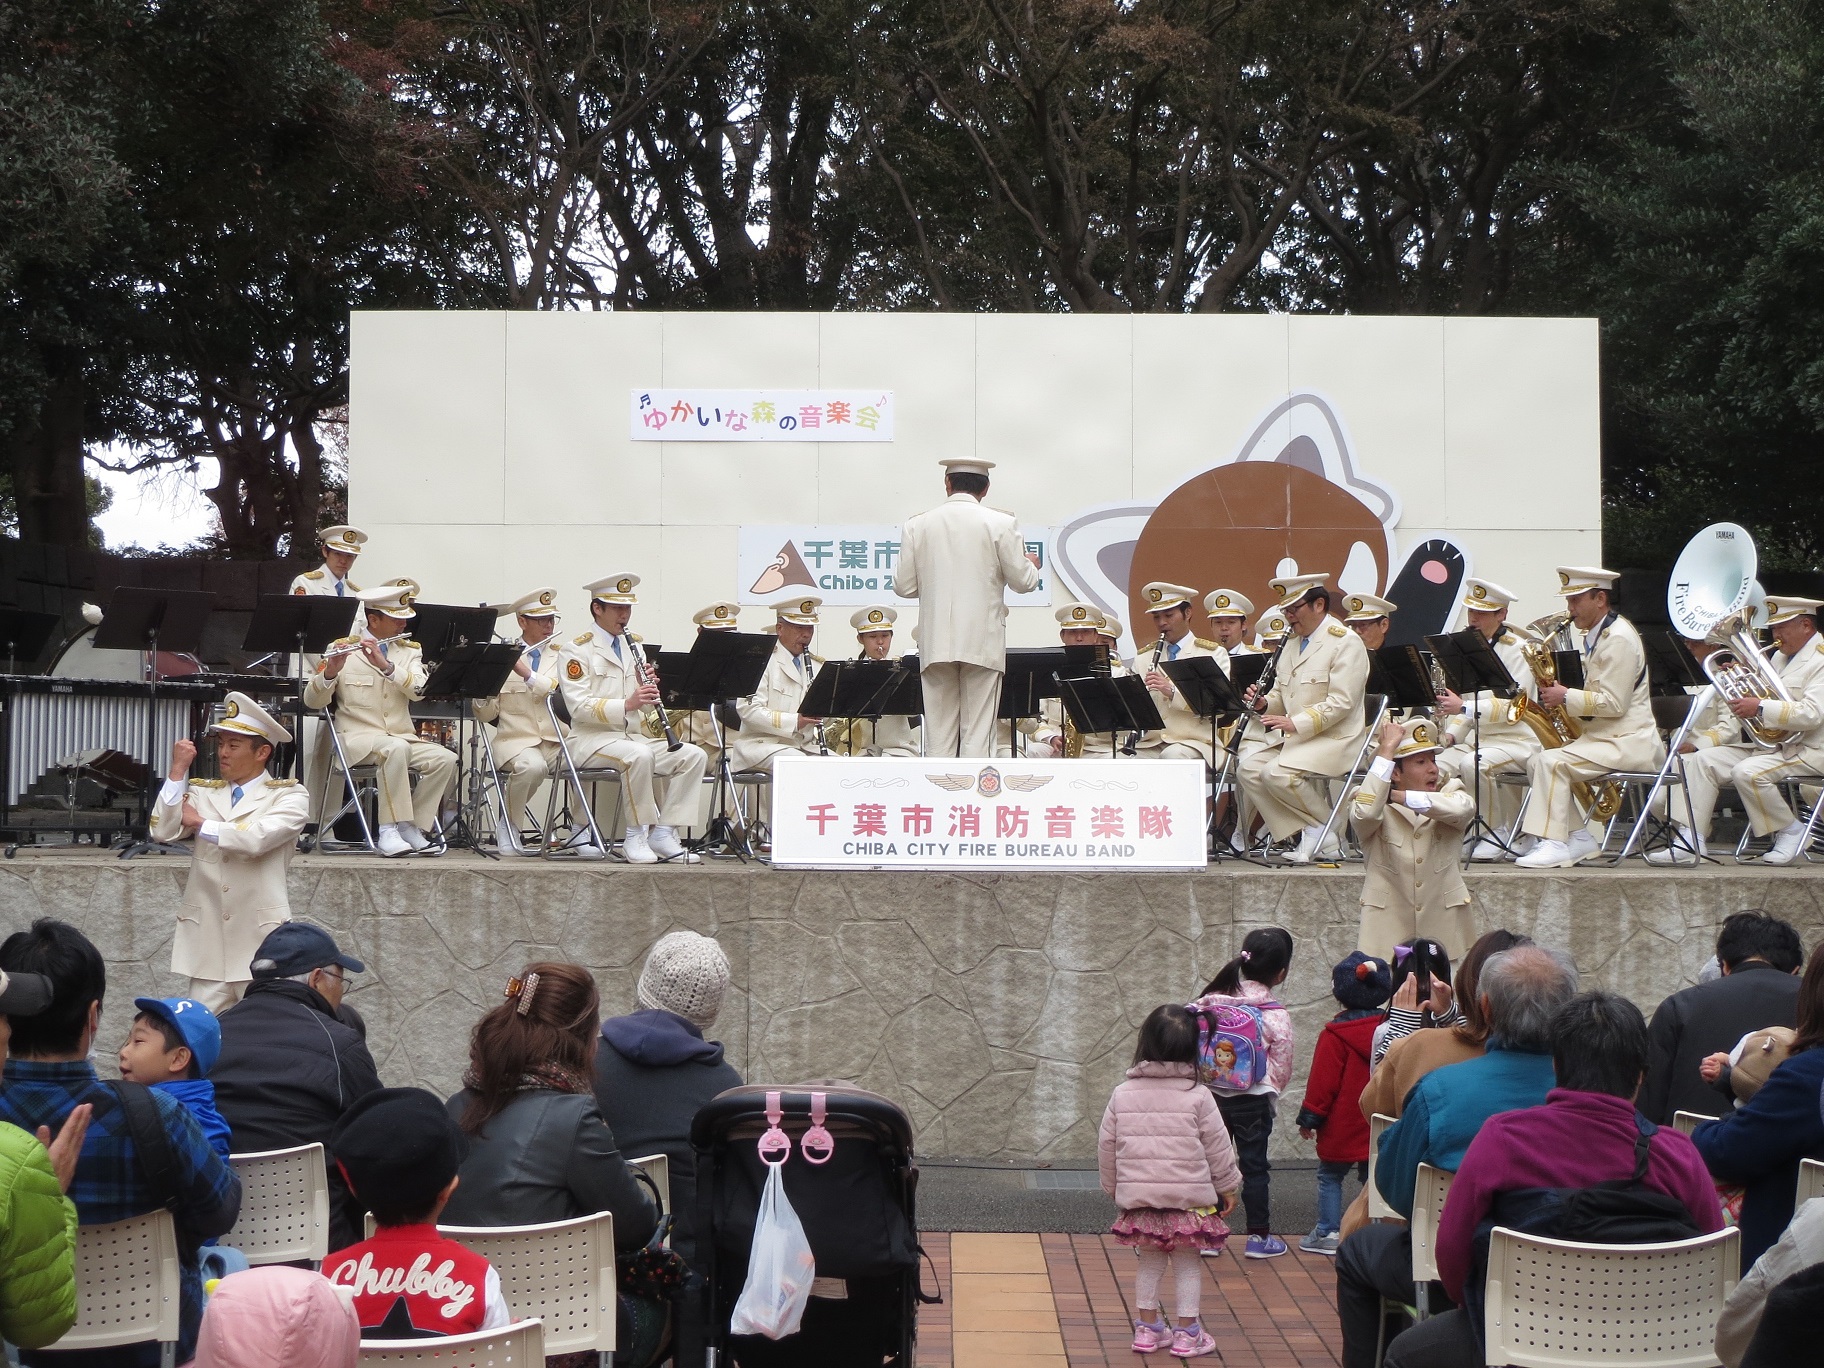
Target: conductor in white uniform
{"x": 958, "y": 560}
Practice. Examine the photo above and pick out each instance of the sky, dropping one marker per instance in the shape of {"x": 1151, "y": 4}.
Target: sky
{"x": 164, "y": 508}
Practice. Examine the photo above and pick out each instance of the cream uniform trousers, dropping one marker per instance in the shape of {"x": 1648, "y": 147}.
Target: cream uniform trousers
{"x": 524, "y": 743}
{"x": 961, "y": 701}
{"x": 1757, "y": 772}
{"x": 1321, "y": 688}
{"x": 236, "y": 890}
{"x": 1186, "y": 735}
{"x": 1619, "y": 732}
{"x": 1504, "y": 747}
{"x": 660, "y": 786}
{"x": 374, "y": 720}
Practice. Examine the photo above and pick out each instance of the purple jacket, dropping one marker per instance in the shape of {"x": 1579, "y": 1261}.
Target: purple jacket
{"x": 1574, "y": 1140}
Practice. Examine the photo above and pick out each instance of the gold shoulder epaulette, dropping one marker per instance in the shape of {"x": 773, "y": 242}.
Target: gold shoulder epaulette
{"x": 635, "y": 636}
{"x": 281, "y": 783}
{"x": 1205, "y": 645}
{"x": 347, "y": 641}
{"x": 209, "y": 783}
{"x": 353, "y": 588}
{"x": 313, "y": 574}
{"x": 408, "y": 641}
{"x": 1336, "y": 631}
{"x": 582, "y": 639}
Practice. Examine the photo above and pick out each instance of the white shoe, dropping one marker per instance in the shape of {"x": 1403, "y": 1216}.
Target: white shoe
{"x": 634, "y": 848}
{"x": 1526, "y": 845}
{"x": 391, "y": 843}
{"x": 1680, "y": 852}
{"x": 1487, "y": 849}
{"x": 1307, "y": 846}
{"x": 1582, "y": 846}
{"x": 664, "y": 844}
{"x": 1548, "y": 855}
{"x": 413, "y": 837}
{"x": 1786, "y": 845}
{"x": 588, "y": 850}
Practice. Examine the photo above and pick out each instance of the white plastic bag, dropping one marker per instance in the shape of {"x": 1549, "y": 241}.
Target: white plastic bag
{"x": 779, "y": 1268}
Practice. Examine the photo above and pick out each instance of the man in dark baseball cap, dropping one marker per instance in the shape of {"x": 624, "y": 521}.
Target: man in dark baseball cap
{"x": 23, "y": 994}
{"x": 293, "y": 1059}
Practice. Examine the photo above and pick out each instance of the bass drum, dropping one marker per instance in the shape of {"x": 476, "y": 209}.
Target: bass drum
{"x": 79, "y": 658}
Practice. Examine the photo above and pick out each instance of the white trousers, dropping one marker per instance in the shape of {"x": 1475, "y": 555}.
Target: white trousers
{"x": 1756, "y": 775}
{"x": 216, "y": 996}
{"x": 960, "y": 704}
{"x": 1496, "y": 802}
{"x": 398, "y": 758}
{"x": 523, "y": 774}
{"x": 660, "y": 786}
{"x": 1288, "y": 800}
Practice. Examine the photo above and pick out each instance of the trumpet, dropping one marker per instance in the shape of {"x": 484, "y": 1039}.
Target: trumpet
{"x": 643, "y": 673}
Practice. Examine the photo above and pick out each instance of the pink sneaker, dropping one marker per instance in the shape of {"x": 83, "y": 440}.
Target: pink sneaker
{"x": 1147, "y": 1338}
{"x": 1192, "y": 1341}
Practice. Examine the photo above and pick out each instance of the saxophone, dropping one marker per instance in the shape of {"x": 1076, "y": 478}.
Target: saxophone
{"x": 1554, "y": 726}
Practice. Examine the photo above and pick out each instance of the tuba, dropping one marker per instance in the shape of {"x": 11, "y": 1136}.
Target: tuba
{"x": 1713, "y": 596}
{"x": 1554, "y": 726}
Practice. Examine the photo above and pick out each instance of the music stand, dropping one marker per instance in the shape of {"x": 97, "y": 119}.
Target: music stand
{"x": 719, "y": 668}
{"x": 1399, "y": 674}
{"x": 151, "y": 620}
{"x": 471, "y": 670}
{"x": 1095, "y": 704}
{"x": 26, "y": 634}
{"x": 865, "y": 689}
{"x": 440, "y": 626}
{"x": 1471, "y": 666}
{"x": 1209, "y": 693}
{"x": 1671, "y": 666}
{"x": 1031, "y": 677}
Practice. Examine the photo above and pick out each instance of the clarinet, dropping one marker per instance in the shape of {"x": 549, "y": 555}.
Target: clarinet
{"x": 823, "y": 741}
{"x": 643, "y": 673}
{"x": 1132, "y": 744}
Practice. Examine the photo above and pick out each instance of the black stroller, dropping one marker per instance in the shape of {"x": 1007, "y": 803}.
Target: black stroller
{"x": 858, "y": 1213}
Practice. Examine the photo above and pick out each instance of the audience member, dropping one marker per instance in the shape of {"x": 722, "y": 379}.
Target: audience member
{"x": 1759, "y": 956}
{"x": 37, "y": 1221}
{"x": 654, "y": 1070}
{"x": 48, "y": 1075}
{"x": 1586, "y": 1133}
{"x": 400, "y": 1152}
{"x": 278, "y": 1316}
{"x": 173, "y": 1045}
{"x": 291, "y": 1063}
{"x": 1339, "y": 1072}
{"x": 1799, "y": 1248}
{"x": 1760, "y": 1143}
{"x": 1421, "y": 997}
{"x": 539, "y": 1149}
{"x": 1788, "y": 1333}
{"x": 1248, "y": 980}
{"x": 1520, "y": 991}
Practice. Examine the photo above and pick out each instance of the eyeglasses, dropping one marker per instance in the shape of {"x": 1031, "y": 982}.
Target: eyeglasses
{"x": 335, "y": 971}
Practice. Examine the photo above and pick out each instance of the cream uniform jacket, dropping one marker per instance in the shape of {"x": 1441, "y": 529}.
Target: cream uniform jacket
{"x": 769, "y": 717}
{"x": 236, "y": 890}
{"x": 366, "y": 699}
{"x": 521, "y": 716}
{"x": 596, "y": 679}
{"x": 1182, "y": 726}
{"x": 1321, "y": 689}
{"x": 1461, "y": 730}
{"x": 1803, "y": 676}
{"x": 957, "y": 560}
{"x": 1615, "y": 705}
{"x": 1715, "y": 724}
{"x": 1414, "y": 884}
{"x": 322, "y": 583}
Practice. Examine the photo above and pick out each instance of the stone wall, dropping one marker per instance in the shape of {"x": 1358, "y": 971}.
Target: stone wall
{"x": 999, "y": 1010}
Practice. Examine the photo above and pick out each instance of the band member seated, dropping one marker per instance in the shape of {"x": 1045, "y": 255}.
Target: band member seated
{"x": 1273, "y": 630}
{"x": 1186, "y": 735}
{"x": 374, "y": 678}
{"x": 1079, "y": 624}
{"x": 608, "y": 687}
{"x": 1369, "y": 616}
{"x": 1228, "y": 611}
{"x": 245, "y": 826}
{"x": 1615, "y": 709}
{"x": 1314, "y": 715}
{"x": 341, "y": 544}
{"x": 692, "y": 724}
{"x": 525, "y": 742}
{"x": 1754, "y": 770}
{"x": 1482, "y": 726}
{"x": 890, "y": 735}
{"x": 1411, "y": 832}
{"x": 770, "y": 722}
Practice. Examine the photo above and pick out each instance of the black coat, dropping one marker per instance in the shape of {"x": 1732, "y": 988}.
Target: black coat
{"x": 1703, "y": 1020}
{"x": 289, "y": 1067}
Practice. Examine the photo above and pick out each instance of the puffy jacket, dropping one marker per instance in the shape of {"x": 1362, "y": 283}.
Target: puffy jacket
{"x": 290, "y": 1066}
{"x": 267, "y": 1316}
{"x": 1339, "y": 1072}
{"x": 1162, "y": 1142}
{"x": 37, "y": 1245}
{"x": 547, "y": 1156}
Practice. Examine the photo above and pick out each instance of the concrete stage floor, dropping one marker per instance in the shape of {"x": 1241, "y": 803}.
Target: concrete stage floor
{"x": 998, "y": 1009}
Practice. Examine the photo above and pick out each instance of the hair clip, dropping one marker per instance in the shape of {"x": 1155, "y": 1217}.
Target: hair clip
{"x": 524, "y": 991}
{"x": 1401, "y": 952}
{"x": 514, "y": 984}
{"x": 1244, "y": 956}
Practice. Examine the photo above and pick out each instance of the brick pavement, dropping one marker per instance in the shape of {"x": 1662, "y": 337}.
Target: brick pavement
{"x": 1012, "y": 1300}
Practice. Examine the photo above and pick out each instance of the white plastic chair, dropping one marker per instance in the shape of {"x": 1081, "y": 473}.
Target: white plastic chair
{"x": 1559, "y": 1304}
{"x": 128, "y": 1286}
{"x": 284, "y": 1206}
{"x": 561, "y": 1272}
{"x": 1811, "y": 1181}
{"x": 1378, "y": 1210}
{"x": 520, "y": 1345}
{"x": 1428, "y": 1193}
{"x": 658, "y": 1168}
{"x": 1685, "y": 1122}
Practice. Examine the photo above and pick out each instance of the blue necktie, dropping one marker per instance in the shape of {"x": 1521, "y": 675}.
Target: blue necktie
{"x": 535, "y": 660}
{"x": 234, "y": 795}
{"x": 615, "y": 641}
{"x": 1171, "y": 650}
{"x": 339, "y": 588}
{"x": 1302, "y": 643}
{"x": 386, "y": 654}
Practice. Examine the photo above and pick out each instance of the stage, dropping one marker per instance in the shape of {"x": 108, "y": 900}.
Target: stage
{"x": 999, "y": 1009}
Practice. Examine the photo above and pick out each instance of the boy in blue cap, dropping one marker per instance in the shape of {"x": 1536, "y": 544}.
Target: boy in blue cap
{"x": 173, "y": 1045}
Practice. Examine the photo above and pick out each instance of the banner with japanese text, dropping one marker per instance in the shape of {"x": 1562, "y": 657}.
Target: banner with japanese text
{"x": 840, "y": 812}
{"x": 726, "y": 415}
{"x": 848, "y": 563}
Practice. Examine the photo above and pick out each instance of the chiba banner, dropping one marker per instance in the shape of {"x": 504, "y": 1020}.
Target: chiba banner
{"x": 725, "y": 415}
{"x": 841, "y": 812}
{"x": 848, "y": 563}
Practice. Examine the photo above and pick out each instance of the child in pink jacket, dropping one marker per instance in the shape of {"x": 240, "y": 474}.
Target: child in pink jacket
{"x": 1165, "y": 1158}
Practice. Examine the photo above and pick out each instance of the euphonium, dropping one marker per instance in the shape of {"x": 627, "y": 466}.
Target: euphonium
{"x": 1555, "y": 727}
{"x": 1739, "y": 670}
